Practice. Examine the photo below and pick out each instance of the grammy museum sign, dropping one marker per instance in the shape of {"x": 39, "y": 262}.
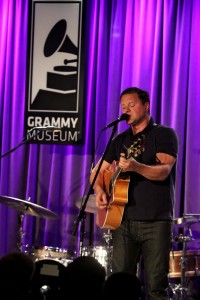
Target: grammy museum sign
{"x": 54, "y": 86}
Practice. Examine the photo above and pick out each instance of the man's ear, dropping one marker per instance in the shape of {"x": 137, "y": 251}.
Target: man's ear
{"x": 146, "y": 105}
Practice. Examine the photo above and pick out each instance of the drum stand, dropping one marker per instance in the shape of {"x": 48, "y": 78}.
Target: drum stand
{"x": 180, "y": 290}
{"x": 108, "y": 238}
{"x": 82, "y": 233}
{"x": 21, "y": 232}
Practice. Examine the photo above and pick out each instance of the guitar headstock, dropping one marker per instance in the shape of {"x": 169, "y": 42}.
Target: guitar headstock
{"x": 136, "y": 148}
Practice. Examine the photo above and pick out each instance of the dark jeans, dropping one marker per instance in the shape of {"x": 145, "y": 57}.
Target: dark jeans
{"x": 152, "y": 240}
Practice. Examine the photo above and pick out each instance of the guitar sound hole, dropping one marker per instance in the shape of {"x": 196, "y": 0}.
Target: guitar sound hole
{"x": 124, "y": 176}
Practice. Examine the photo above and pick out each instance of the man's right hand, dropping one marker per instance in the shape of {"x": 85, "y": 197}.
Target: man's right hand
{"x": 101, "y": 199}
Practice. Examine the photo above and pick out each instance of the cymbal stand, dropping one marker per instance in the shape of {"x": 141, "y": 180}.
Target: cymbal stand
{"x": 82, "y": 233}
{"x": 180, "y": 292}
{"x": 21, "y": 232}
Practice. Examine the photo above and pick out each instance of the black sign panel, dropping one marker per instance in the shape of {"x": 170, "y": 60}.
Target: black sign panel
{"x": 55, "y": 80}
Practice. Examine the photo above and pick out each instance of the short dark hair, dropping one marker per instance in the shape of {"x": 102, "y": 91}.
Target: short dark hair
{"x": 143, "y": 95}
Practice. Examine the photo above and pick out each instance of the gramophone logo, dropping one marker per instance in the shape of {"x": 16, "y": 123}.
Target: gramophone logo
{"x": 61, "y": 84}
{"x": 55, "y": 71}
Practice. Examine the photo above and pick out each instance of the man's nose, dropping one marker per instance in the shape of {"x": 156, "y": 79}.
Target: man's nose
{"x": 127, "y": 108}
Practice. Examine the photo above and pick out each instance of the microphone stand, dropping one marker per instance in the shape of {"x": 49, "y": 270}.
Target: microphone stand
{"x": 81, "y": 216}
{"x": 24, "y": 141}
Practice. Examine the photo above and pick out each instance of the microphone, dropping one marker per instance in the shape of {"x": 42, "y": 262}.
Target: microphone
{"x": 45, "y": 128}
{"x": 122, "y": 118}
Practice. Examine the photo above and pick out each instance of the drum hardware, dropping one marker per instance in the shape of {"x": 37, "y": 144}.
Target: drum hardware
{"x": 197, "y": 271}
{"x": 21, "y": 232}
{"x": 107, "y": 236}
{"x": 192, "y": 263}
{"x": 180, "y": 291}
{"x": 98, "y": 252}
{"x": 61, "y": 255}
{"x": 82, "y": 234}
{"x": 29, "y": 208}
{"x": 101, "y": 253}
{"x": 187, "y": 220}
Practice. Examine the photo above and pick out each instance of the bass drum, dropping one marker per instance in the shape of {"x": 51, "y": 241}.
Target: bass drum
{"x": 47, "y": 281}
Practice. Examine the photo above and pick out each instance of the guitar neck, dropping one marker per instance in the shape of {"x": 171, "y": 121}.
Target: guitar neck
{"x": 118, "y": 171}
{"x": 115, "y": 176}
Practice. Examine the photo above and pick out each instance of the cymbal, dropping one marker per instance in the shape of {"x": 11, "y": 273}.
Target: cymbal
{"x": 26, "y": 207}
{"x": 90, "y": 206}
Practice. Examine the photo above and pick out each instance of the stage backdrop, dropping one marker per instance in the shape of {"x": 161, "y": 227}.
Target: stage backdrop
{"x": 154, "y": 45}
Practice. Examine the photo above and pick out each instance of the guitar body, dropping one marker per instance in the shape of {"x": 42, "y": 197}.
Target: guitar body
{"x": 117, "y": 191}
{"x": 116, "y": 184}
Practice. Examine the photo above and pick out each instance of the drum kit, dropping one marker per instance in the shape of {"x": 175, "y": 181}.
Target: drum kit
{"x": 60, "y": 255}
{"x": 183, "y": 264}
{"x": 29, "y": 208}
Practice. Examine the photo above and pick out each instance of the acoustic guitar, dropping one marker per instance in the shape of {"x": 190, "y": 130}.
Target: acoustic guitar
{"x": 116, "y": 185}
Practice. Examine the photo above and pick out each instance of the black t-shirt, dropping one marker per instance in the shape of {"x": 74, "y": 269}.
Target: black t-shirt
{"x": 147, "y": 199}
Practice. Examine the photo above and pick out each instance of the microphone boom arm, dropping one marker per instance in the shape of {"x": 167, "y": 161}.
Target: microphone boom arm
{"x": 24, "y": 141}
{"x": 123, "y": 117}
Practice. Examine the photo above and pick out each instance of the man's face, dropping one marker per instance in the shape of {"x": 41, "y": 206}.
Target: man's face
{"x": 132, "y": 105}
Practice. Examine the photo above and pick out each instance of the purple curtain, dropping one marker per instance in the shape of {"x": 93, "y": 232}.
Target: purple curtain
{"x": 154, "y": 45}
